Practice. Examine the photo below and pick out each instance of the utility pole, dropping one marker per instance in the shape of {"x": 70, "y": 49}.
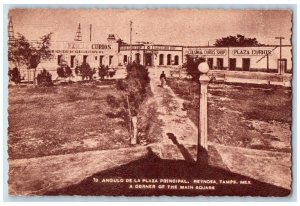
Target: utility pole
{"x": 90, "y": 32}
{"x": 130, "y": 58}
{"x": 280, "y": 63}
{"x": 11, "y": 36}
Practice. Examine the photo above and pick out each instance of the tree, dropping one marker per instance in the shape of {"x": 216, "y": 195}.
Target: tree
{"x": 14, "y": 75}
{"x": 133, "y": 93}
{"x": 85, "y": 71}
{"x": 238, "y": 40}
{"x": 22, "y": 52}
{"x": 64, "y": 71}
{"x": 44, "y": 78}
{"x": 192, "y": 67}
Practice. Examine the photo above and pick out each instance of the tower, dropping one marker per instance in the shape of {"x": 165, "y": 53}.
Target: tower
{"x": 11, "y": 36}
{"x": 78, "y": 36}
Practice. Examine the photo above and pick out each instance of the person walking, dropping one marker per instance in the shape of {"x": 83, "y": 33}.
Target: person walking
{"x": 163, "y": 79}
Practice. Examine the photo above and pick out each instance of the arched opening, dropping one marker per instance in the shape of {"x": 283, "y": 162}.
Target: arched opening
{"x": 169, "y": 59}
{"x": 176, "y": 60}
{"x": 161, "y": 59}
{"x": 137, "y": 58}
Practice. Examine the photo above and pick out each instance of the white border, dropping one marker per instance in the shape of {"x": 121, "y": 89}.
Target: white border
{"x": 135, "y": 2}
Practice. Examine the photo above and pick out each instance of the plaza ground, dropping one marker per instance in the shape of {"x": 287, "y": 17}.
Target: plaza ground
{"x": 233, "y": 151}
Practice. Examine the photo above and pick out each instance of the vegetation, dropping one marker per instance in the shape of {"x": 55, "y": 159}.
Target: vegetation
{"x": 22, "y": 52}
{"x": 134, "y": 90}
{"x": 44, "y": 78}
{"x": 192, "y": 67}
{"x": 62, "y": 119}
{"x": 14, "y": 75}
{"x": 85, "y": 71}
{"x": 238, "y": 40}
{"x": 64, "y": 71}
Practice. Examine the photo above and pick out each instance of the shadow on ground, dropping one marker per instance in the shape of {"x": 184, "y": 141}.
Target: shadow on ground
{"x": 153, "y": 167}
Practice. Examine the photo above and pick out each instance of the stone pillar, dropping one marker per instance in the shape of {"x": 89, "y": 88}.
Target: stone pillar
{"x": 202, "y": 155}
{"x": 134, "y": 135}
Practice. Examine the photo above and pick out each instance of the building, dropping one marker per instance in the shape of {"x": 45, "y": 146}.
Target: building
{"x": 271, "y": 58}
{"x": 256, "y": 58}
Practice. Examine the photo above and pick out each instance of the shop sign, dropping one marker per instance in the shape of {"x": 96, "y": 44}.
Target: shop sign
{"x": 251, "y": 52}
{"x": 207, "y": 52}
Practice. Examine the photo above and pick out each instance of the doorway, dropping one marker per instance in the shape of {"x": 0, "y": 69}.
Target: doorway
{"x": 232, "y": 64}
{"x": 72, "y": 61}
{"x": 282, "y": 66}
{"x": 137, "y": 58}
{"x": 161, "y": 59}
{"x": 210, "y": 62}
{"x": 169, "y": 59}
{"x": 148, "y": 59}
{"x": 246, "y": 64}
{"x": 220, "y": 63}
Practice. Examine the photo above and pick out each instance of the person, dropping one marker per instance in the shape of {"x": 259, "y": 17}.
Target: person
{"x": 163, "y": 78}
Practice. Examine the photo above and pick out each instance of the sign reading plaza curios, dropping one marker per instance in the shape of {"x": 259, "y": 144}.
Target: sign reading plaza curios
{"x": 251, "y": 52}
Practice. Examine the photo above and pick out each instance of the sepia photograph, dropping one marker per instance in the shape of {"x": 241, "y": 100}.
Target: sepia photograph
{"x": 149, "y": 102}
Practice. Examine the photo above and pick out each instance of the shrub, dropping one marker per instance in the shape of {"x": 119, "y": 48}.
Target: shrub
{"x": 14, "y": 75}
{"x": 134, "y": 89}
{"x": 85, "y": 71}
{"x": 64, "y": 71}
{"x": 44, "y": 78}
{"x": 102, "y": 71}
{"x": 192, "y": 66}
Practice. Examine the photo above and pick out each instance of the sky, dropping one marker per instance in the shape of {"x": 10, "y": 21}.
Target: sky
{"x": 160, "y": 26}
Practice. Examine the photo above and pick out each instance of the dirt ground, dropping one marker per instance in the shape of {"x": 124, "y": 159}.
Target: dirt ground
{"x": 63, "y": 119}
{"x": 249, "y": 116}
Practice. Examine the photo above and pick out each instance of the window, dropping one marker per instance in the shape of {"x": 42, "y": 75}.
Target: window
{"x": 169, "y": 59}
{"x": 161, "y": 59}
{"x": 59, "y": 59}
{"x": 125, "y": 59}
{"x": 110, "y": 59}
{"x": 176, "y": 60}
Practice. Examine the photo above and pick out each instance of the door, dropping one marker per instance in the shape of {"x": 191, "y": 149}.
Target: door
{"x": 210, "y": 62}
{"x": 232, "y": 64}
{"x": 169, "y": 59}
{"x": 101, "y": 60}
{"x": 220, "y": 63}
{"x": 148, "y": 59}
{"x": 85, "y": 58}
{"x": 72, "y": 61}
{"x": 176, "y": 60}
{"x": 282, "y": 66}
{"x": 246, "y": 64}
{"x": 137, "y": 58}
{"x": 161, "y": 59}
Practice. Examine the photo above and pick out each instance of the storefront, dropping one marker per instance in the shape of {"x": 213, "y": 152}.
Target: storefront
{"x": 152, "y": 55}
{"x": 264, "y": 58}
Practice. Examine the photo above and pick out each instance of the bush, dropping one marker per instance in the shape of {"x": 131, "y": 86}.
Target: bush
{"x": 85, "y": 71}
{"x": 134, "y": 89}
{"x": 192, "y": 67}
{"x": 14, "y": 75}
{"x": 44, "y": 78}
{"x": 64, "y": 71}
